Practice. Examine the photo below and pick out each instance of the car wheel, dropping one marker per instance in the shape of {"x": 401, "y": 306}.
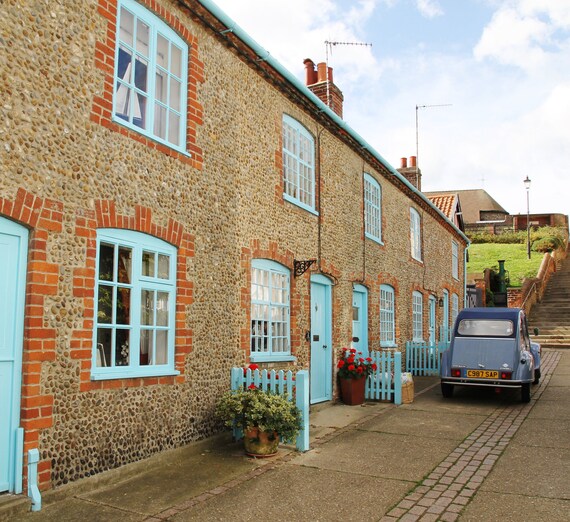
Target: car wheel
{"x": 536, "y": 376}
{"x": 447, "y": 390}
{"x": 525, "y": 392}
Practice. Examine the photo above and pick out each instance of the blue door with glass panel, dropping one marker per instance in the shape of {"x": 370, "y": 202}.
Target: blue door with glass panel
{"x": 360, "y": 319}
{"x": 445, "y": 335}
{"x": 13, "y": 253}
{"x": 432, "y": 323}
{"x": 321, "y": 339}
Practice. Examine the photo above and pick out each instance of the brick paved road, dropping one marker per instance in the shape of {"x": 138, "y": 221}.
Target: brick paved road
{"x": 450, "y": 487}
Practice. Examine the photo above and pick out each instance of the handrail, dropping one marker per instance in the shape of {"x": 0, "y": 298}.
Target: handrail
{"x": 528, "y": 293}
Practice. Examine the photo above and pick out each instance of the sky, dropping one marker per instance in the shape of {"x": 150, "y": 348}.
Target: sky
{"x": 490, "y": 78}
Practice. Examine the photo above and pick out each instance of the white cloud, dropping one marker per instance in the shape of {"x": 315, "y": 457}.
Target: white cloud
{"x": 525, "y": 33}
{"x": 429, "y": 8}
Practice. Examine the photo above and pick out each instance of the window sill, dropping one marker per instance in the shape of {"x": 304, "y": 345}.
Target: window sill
{"x": 375, "y": 239}
{"x": 388, "y": 345}
{"x": 297, "y": 203}
{"x": 151, "y": 137}
{"x": 272, "y": 358}
{"x": 133, "y": 374}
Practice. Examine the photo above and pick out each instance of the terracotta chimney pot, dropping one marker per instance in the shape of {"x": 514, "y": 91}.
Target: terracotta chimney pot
{"x": 310, "y": 73}
{"x": 322, "y": 72}
{"x": 412, "y": 161}
{"x": 403, "y": 163}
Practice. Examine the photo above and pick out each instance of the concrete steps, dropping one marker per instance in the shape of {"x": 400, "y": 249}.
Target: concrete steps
{"x": 552, "y": 315}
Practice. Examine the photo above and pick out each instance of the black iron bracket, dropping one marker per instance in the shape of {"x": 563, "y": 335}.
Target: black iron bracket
{"x": 300, "y": 267}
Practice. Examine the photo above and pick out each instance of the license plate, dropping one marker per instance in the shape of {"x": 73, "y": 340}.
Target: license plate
{"x": 483, "y": 374}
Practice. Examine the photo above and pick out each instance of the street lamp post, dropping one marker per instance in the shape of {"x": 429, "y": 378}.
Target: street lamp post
{"x": 527, "y": 187}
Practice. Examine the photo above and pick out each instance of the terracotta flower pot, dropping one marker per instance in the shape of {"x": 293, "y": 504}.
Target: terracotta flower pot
{"x": 352, "y": 391}
{"x": 260, "y": 443}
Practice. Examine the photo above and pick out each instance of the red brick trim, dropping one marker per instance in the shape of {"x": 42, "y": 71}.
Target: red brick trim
{"x": 104, "y": 56}
{"x": 44, "y": 217}
{"x": 87, "y": 223}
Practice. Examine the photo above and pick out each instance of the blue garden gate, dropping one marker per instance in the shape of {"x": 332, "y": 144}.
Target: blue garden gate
{"x": 423, "y": 358}
{"x": 386, "y": 382}
{"x": 295, "y": 386}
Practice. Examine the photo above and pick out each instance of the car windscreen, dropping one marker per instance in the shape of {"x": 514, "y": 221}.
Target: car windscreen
{"x": 485, "y": 328}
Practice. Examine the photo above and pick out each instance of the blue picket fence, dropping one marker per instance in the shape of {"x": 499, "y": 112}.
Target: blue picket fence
{"x": 295, "y": 386}
{"x": 386, "y": 382}
{"x": 423, "y": 358}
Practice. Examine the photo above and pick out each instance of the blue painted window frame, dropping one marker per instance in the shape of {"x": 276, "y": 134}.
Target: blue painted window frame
{"x": 417, "y": 316}
{"x": 387, "y": 316}
{"x": 416, "y": 234}
{"x": 157, "y": 91}
{"x": 372, "y": 208}
{"x": 270, "y": 336}
{"x": 455, "y": 260}
{"x": 298, "y": 164}
{"x": 140, "y": 245}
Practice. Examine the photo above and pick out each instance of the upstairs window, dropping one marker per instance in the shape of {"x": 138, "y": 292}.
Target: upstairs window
{"x": 455, "y": 260}
{"x": 387, "y": 317}
{"x": 417, "y": 317}
{"x": 415, "y": 234}
{"x": 150, "y": 76}
{"x": 135, "y": 310}
{"x": 298, "y": 164}
{"x": 372, "y": 208}
{"x": 270, "y": 338}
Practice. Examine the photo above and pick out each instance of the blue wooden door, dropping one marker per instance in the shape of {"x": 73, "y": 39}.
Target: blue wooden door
{"x": 321, "y": 340}
{"x": 432, "y": 324}
{"x": 360, "y": 319}
{"x": 445, "y": 318}
{"x": 13, "y": 253}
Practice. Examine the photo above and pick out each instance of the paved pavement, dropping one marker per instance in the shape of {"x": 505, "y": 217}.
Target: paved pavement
{"x": 476, "y": 457}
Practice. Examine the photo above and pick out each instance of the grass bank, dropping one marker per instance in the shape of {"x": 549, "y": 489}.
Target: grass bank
{"x": 486, "y": 255}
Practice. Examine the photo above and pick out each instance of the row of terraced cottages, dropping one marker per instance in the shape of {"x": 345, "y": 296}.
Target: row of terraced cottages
{"x": 173, "y": 203}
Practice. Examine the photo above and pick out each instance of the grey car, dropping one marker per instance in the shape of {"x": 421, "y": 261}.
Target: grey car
{"x": 491, "y": 347}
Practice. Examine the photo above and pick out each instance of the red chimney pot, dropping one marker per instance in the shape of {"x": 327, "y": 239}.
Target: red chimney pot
{"x": 310, "y": 73}
{"x": 403, "y": 163}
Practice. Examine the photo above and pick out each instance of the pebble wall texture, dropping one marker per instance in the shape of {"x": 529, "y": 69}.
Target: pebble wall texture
{"x": 66, "y": 171}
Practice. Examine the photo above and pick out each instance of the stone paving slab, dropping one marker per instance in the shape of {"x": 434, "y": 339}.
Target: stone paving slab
{"x": 379, "y": 454}
{"x": 529, "y": 473}
{"x": 77, "y": 510}
{"x": 548, "y": 408}
{"x": 441, "y": 425}
{"x": 186, "y": 476}
{"x": 302, "y": 493}
{"x": 490, "y": 507}
{"x": 544, "y": 433}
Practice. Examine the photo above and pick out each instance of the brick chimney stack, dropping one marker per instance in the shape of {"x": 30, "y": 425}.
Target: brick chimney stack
{"x": 317, "y": 80}
{"x": 412, "y": 173}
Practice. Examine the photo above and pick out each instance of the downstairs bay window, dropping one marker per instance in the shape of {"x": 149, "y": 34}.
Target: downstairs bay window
{"x": 135, "y": 306}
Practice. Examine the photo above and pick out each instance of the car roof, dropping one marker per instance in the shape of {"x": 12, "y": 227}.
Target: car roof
{"x": 490, "y": 313}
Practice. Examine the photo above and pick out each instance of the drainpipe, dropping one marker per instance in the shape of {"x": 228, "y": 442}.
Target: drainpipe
{"x": 465, "y": 275}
